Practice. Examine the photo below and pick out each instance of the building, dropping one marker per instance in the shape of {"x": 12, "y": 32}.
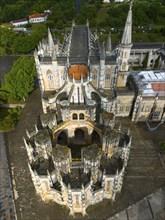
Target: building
{"x": 150, "y": 95}
{"x": 141, "y": 51}
{"x": 38, "y": 18}
{"x": 78, "y": 157}
{"x": 20, "y": 22}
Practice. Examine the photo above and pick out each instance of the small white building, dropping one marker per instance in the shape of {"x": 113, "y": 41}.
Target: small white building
{"x": 20, "y": 22}
{"x": 108, "y": 1}
{"x": 38, "y": 18}
{"x": 119, "y": 0}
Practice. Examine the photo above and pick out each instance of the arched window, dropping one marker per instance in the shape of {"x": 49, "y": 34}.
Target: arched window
{"x": 49, "y": 75}
{"x": 74, "y": 116}
{"x": 50, "y": 79}
{"x": 107, "y": 76}
{"x": 81, "y": 116}
{"x": 94, "y": 77}
{"x": 62, "y": 138}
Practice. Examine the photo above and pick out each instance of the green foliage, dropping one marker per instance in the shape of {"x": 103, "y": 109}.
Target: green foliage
{"x": 7, "y": 37}
{"x": 21, "y": 43}
{"x": 113, "y": 15}
{"x": 3, "y": 97}
{"x": 163, "y": 146}
{"x": 9, "y": 118}
{"x": 19, "y": 82}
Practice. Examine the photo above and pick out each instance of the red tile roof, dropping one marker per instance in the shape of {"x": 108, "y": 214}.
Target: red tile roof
{"x": 19, "y": 20}
{"x": 38, "y": 15}
{"x": 158, "y": 87}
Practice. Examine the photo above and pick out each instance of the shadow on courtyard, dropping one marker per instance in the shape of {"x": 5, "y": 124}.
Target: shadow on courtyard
{"x": 144, "y": 173}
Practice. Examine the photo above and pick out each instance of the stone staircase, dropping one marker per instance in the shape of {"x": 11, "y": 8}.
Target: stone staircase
{"x": 144, "y": 163}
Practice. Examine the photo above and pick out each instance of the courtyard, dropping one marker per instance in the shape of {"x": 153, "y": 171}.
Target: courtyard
{"x": 144, "y": 173}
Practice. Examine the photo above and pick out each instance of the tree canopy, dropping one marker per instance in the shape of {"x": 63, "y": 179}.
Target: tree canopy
{"x": 21, "y": 43}
{"x": 148, "y": 20}
{"x": 19, "y": 82}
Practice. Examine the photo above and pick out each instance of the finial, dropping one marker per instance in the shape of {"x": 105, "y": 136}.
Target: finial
{"x": 119, "y": 129}
{"x": 87, "y": 23}
{"x": 131, "y": 4}
{"x": 24, "y": 140}
{"x": 129, "y": 131}
{"x": 73, "y": 23}
{"x": 82, "y": 186}
{"x": 69, "y": 187}
{"x": 27, "y": 133}
{"x": 36, "y": 128}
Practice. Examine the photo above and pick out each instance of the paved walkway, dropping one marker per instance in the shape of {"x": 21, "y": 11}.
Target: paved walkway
{"x": 149, "y": 208}
{"x": 7, "y": 210}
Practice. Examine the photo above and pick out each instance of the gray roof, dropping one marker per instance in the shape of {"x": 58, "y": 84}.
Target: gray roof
{"x": 147, "y": 45}
{"x": 79, "y": 45}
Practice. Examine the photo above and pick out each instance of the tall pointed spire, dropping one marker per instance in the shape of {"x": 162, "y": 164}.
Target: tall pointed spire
{"x": 109, "y": 43}
{"x": 127, "y": 34}
{"x": 50, "y": 40}
{"x": 102, "y": 56}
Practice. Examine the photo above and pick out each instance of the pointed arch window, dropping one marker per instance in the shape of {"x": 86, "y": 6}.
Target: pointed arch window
{"x": 107, "y": 76}
{"x": 50, "y": 79}
{"x": 49, "y": 75}
{"x": 94, "y": 77}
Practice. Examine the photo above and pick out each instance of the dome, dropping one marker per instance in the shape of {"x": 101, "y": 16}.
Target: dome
{"x": 78, "y": 72}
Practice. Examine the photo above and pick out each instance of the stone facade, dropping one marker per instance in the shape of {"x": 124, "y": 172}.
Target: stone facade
{"x": 79, "y": 157}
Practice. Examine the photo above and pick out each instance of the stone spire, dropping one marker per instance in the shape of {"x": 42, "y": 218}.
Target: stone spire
{"x": 127, "y": 34}
{"x": 73, "y": 23}
{"x": 102, "y": 55}
{"x": 50, "y": 40}
{"x": 109, "y": 43}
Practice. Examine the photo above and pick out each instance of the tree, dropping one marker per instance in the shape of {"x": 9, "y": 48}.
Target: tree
{"x": 19, "y": 82}
{"x": 7, "y": 37}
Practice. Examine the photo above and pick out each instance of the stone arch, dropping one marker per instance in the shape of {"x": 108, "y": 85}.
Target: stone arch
{"x": 62, "y": 96}
{"x": 62, "y": 138}
{"x": 81, "y": 116}
{"x": 75, "y": 116}
{"x": 79, "y": 135}
{"x": 96, "y": 138}
{"x": 152, "y": 60}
